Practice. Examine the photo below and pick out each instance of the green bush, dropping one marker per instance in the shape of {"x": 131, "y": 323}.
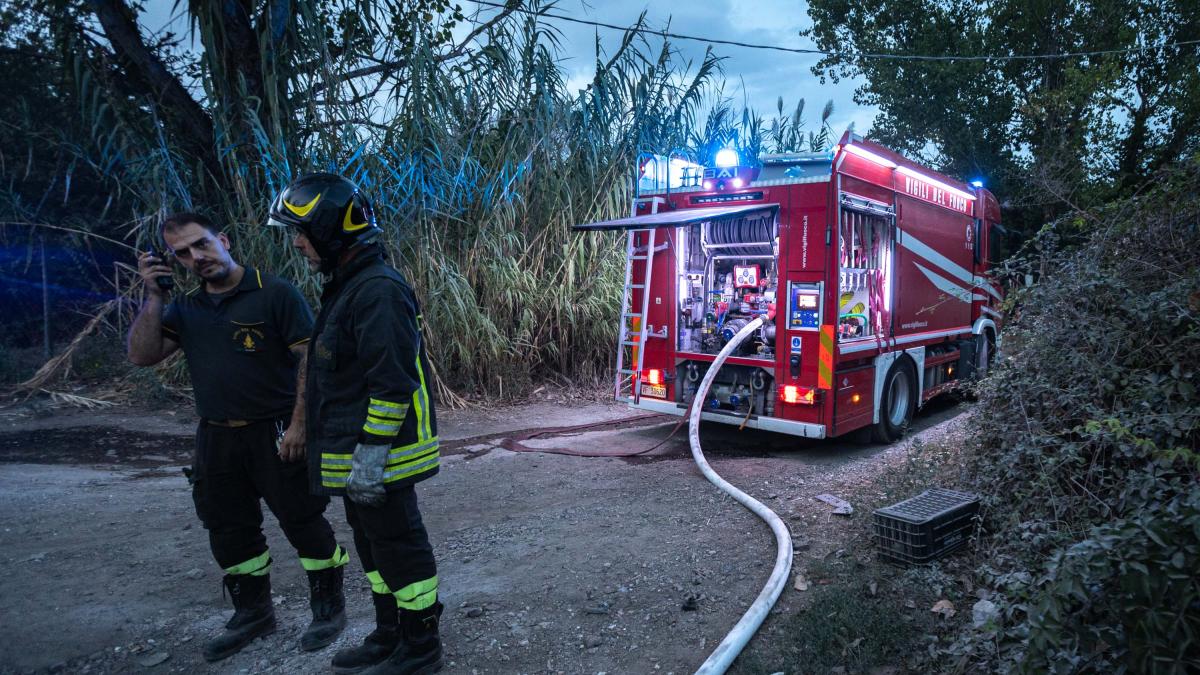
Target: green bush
{"x": 101, "y": 357}
{"x": 1089, "y": 449}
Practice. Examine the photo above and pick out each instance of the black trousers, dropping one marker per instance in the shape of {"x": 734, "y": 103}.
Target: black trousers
{"x": 394, "y": 547}
{"x": 234, "y": 469}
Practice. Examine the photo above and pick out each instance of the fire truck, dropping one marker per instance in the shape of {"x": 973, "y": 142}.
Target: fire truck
{"x": 869, "y": 269}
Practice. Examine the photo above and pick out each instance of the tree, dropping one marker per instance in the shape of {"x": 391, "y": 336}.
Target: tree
{"x": 477, "y": 155}
{"x": 1046, "y": 132}
{"x": 45, "y": 180}
{"x": 267, "y": 76}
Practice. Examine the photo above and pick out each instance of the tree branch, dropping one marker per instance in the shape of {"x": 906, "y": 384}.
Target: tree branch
{"x": 392, "y": 66}
{"x": 357, "y": 99}
{"x": 509, "y": 8}
{"x": 190, "y": 123}
{"x": 241, "y": 47}
{"x": 357, "y": 121}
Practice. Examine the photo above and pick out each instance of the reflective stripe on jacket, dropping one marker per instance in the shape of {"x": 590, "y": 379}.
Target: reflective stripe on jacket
{"x": 367, "y": 378}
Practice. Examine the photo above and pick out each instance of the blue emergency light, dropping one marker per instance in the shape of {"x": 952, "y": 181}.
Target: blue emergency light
{"x": 728, "y": 172}
{"x": 726, "y": 157}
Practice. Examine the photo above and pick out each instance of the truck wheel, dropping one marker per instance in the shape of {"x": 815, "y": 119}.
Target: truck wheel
{"x": 985, "y": 354}
{"x": 898, "y": 402}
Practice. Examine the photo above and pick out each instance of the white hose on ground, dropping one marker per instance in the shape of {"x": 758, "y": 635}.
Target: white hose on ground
{"x": 722, "y": 657}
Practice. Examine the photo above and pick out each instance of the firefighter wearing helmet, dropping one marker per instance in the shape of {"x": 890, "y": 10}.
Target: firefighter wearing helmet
{"x": 371, "y": 427}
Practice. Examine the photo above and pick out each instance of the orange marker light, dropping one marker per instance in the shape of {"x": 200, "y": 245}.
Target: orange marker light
{"x": 855, "y": 398}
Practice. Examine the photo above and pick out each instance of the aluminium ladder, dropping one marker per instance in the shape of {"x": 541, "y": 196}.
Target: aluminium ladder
{"x": 631, "y": 345}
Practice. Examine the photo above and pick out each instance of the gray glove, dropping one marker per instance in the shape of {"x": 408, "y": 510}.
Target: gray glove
{"x": 365, "y": 485}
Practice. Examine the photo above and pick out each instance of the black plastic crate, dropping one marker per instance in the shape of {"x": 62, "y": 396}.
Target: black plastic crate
{"x": 925, "y": 527}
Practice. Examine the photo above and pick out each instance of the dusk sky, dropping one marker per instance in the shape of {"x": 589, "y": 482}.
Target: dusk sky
{"x": 755, "y": 76}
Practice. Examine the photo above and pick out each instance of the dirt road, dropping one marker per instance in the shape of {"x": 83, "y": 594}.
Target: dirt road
{"x": 548, "y": 563}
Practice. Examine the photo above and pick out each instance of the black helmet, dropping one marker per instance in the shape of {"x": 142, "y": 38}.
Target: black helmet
{"x": 330, "y": 211}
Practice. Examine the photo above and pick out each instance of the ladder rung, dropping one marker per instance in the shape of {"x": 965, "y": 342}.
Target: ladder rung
{"x": 628, "y": 314}
{"x": 627, "y": 372}
{"x": 630, "y": 344}
{"x": 637, "y": 285}
{"x": 639, "y": 257}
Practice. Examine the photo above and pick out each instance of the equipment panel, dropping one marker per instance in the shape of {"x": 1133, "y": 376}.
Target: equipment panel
{"x": 804, "y": 306}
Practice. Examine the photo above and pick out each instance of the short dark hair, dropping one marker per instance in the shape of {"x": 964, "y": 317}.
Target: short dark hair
{"x": 185, "y": 218}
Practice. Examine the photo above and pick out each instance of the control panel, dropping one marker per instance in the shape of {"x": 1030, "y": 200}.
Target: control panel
{"x": 804, "y": 305}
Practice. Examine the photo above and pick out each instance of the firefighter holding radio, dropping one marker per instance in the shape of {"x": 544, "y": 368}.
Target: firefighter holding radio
{"x": 371, "y": 425}
{"x": 243, "y": 333}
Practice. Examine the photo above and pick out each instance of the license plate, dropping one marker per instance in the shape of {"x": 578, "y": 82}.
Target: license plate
{"x": 654, "y": 390}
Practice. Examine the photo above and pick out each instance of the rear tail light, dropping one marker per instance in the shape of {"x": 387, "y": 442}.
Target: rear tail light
{"x": 654, "y": 376}
{"x": 793, "y": 394}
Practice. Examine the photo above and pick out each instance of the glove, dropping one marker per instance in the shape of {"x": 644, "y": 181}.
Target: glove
{"x": 365, "y": 485}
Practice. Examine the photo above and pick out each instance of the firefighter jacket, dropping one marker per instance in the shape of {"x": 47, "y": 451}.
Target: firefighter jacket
{"x": 367, "y": 378}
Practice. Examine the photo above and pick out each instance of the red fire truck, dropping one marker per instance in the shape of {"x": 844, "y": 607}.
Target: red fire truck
{"x": 871, "y": 272}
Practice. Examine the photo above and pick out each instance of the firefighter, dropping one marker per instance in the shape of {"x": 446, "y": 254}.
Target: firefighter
{"x": 372, "y": 417}
{"x": 243, "y": 334}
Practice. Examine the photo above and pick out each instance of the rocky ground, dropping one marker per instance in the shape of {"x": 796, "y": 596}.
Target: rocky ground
{"x": 549, "y": 563}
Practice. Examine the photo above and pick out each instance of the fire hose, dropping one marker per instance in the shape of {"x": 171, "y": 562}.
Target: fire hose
{"x": 722, "y": 657}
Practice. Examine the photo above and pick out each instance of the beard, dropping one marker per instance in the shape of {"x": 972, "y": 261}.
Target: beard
{"x": 214, "y": 272}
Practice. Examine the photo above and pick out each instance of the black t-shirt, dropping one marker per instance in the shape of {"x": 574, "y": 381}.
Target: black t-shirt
{"x": 238, "y": 345}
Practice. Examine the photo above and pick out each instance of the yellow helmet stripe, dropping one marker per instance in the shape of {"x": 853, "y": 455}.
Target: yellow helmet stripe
{"x": 303, "y": 209}
{"x": 348, "y": 226}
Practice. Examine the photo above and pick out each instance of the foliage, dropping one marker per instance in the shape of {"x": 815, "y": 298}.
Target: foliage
{"x": 1084, "y": 129}
{"x": 45, "y": 180}
{"x": 17, "y": 364}
{"x": 845, "y": 626}
{"x": 478, "y": 158}
{"x": 101, "y": 358}
{"x": 752, "y": 135}
{"x": 1090, "y": 449}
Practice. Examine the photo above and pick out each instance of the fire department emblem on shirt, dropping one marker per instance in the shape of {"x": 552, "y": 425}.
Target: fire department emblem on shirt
{"x": 248, "y": 339}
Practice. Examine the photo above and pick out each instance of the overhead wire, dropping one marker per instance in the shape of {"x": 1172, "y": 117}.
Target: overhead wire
{"x": 837, "y": 54}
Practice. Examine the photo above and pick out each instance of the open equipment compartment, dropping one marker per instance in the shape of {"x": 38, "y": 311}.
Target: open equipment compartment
{"x": 728, "y": 275}
{"x": 865, "y": 240}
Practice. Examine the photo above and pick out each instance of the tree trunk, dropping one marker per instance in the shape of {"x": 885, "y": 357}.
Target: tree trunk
{"x": 189, "y": 123}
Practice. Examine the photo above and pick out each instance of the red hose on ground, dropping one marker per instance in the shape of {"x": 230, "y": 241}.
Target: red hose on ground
{"x": 515, "y": 442}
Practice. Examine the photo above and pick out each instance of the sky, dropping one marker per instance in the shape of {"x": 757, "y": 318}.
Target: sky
{"x": 755, "y": 77}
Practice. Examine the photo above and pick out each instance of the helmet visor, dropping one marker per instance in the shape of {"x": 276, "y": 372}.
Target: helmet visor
{"x": 275, "y": 222}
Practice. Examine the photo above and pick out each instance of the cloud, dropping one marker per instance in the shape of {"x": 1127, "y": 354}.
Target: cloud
{"x": 756, "y": 77}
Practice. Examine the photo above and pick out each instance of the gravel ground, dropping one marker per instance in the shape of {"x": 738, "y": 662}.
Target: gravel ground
{"x": 549, "y": 563}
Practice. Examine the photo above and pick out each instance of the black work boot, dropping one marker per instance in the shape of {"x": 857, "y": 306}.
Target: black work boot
{"x": 379, "y": 644}
{"x": 328, "y": 609}
{"x": 253, "y": 615}
{"x": 420, "y": 648}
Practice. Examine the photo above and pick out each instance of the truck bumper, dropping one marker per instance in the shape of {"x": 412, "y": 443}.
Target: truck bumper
{"x": 802, "y": 429}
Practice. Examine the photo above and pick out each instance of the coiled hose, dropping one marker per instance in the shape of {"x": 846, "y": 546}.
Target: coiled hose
{"x": 722, "y": 657}
{"x": 756, "y": 231}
